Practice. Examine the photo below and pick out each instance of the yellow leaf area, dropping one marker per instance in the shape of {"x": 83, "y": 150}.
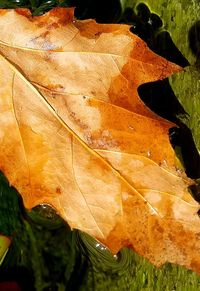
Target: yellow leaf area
{"x": 4, "y": 247}
{"x": 74, "y": 134}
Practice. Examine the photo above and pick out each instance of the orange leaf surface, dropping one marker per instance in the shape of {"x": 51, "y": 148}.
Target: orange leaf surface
{"x": 74, "y": 134}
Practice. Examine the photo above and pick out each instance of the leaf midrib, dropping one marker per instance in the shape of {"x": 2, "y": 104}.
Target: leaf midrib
{"x": 78, "y": 52}
{"x": 51, "y": 109}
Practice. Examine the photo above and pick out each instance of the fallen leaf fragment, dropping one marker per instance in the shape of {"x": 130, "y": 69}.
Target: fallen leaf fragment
{"x": 74, "y": 134}
{"x": 4, "y": 246}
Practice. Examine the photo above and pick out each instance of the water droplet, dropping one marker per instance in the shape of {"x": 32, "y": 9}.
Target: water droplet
{"x": 44, "y": 215}
{"x": 101, "y": 257}
{"x": 149, "y": 154}
{"x": 150, "y": 21}
{"x": 125, "y": 196}
{"x": 164, "y": 164}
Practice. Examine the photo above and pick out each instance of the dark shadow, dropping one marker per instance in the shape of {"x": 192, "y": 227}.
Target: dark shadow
{"x": 20, "y": 276}
{"x": 195, "y": 191}
{"x": 194, "y": 39}
{"x": 190, "y": 154}
{"x": 103, "y": 11}
{"x": 79, "y": 274}
{"x": 165, "y": 47}
{"x": 141, "y": 23}
{"x": 160, "y": 97}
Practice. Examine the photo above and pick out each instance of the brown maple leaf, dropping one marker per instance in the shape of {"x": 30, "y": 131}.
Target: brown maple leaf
{"x": 74, "y": 134}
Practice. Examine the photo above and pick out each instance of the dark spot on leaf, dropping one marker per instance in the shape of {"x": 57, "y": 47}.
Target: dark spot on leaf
{"x": 58, "y": 190}
{"x": 195, "y": 191}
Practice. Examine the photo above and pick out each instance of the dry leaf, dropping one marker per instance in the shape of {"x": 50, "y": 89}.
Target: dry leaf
{"x": 74, "y": 134}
